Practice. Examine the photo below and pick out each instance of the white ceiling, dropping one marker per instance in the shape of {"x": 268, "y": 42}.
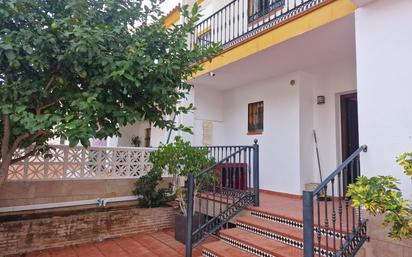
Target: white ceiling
{"x": 312, "y": 52}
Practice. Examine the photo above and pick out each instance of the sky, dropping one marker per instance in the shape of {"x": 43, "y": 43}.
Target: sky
{"x": 168, "y": 5}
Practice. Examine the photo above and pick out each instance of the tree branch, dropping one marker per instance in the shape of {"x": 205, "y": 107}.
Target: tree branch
{"x": 49, "y": 84}
{"x": 6, "y": 135}
{"x": 24, "y": 136}
{"x": 41, "y": 108}
{"x": 13, "y": 161}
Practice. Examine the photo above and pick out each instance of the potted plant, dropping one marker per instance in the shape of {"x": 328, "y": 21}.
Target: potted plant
{"x": 136, "y": 142}
{"x": 180, "y": 159}
{"x": 381, "y": 196}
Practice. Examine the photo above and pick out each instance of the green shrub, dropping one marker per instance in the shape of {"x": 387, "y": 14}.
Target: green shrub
{"x": 405, "y": 160}
{"x": 381, "y": 196}
{"x": 147, "y": 188}
{"x": 180, "y": 159}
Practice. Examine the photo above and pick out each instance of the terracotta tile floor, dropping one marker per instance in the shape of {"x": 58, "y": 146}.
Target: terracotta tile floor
{"x": 159, "y": 244}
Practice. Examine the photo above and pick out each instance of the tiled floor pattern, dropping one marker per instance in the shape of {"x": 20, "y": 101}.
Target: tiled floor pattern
{"x": 159, "y": 244}
{"x": 259, "y": 235}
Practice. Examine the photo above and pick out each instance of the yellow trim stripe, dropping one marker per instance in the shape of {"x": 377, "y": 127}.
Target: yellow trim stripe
{"x": 310, "y": 21}
{"x": 172, "y": 18}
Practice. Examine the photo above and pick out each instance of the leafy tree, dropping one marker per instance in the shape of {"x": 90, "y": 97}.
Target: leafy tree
{"x": 80, "y": 69}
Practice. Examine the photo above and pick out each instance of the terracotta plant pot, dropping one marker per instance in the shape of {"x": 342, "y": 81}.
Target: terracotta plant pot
{"x": 180, "y": 225}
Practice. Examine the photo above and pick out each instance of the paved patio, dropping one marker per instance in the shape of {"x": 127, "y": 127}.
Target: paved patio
{"x": 159, "y": 244}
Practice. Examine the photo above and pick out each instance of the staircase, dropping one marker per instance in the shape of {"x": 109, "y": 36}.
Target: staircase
{"x": 270, "y": 224}
{"x": 263, "y": 231}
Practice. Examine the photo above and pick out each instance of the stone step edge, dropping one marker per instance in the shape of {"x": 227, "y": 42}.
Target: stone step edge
{"x": 296, "y": 224}
{"x": 280, "y": 238}
{"x": 206, "y": 253}
{"x": 245, "y": 247}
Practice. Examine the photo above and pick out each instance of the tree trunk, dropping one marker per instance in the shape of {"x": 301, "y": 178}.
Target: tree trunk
{"x": 4, "y": 169}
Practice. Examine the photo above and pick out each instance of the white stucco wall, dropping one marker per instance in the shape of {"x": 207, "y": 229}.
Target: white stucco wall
{"x": 307, "y": 84}
{"x": 279, "y": 143}
{"x": 209, "y": 108}
{"x": 336, "y": 80}
{"x": 129, "y": 131}
{"x": 384, "y": 61}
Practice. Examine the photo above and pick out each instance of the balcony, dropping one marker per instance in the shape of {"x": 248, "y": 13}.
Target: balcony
{"x": 243, "y": 20}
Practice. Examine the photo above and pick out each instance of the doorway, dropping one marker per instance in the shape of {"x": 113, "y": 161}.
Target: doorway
{"x": 349, "y": 131}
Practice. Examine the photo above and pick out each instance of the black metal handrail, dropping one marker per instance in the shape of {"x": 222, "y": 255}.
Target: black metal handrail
{"x": 214, "y": 203}
{"x": 331, "y": 226}
{"x": 240, "y": 20}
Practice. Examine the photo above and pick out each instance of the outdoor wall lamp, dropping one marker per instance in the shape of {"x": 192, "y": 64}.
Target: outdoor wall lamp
{"x": 321, "y": 99}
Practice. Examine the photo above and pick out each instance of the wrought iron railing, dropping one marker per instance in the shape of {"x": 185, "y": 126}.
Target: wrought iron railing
{"x": 65, "y": 163}
{"x": 220, "y": 192}
{"x": 332, "y": 227}
{"x": 242, "y": 19}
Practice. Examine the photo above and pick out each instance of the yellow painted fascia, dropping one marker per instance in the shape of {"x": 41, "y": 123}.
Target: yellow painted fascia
{"x": 172, "y": 17}
{"x": 199, "y": 1}
{"x": 324, "y": 15}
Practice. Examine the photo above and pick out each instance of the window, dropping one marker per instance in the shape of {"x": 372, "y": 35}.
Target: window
{"x": 259, "y": 8}
{"x": 255, "y": 117}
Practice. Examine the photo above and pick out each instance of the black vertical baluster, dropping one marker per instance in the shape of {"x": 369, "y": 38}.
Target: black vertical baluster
{"x": 222, "y": 170}
{"x": 250, "y": 168}
{"x": 227, "y": 182}
{"x": 230, "y": 26}
{"x": 245, "y": 170}
{"x": 200, "y": 197}
{"x": 207, "y": 199}
{"x": 225, "y": 24}
{"x": 238, "y": 18}
{"x": 340, "y": 211}
{"x": 333, "y": 215}
{"x": 358, "y": 175}
{"x": 189, "y": 223}
{"x": 243, "y": 17}
{"x": 238, "y": 172}
{"x": 214, "y": 197}
{"x": 319, "y": 236}
{"x": 326, "y": 220}
{"x": 234, "y": 20}
{"x": 346, "y": 208}
{"x": 212, "y": 38}
{"x": 352, "y": 180}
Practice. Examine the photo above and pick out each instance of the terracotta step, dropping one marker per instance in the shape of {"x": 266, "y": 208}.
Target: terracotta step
{"x": 282, "y": 233}
{"x": 298, "y": 224}
{"x": 259, "y": 245}
{"x": 222, "y": 249}
{"x": 290, "y": 210}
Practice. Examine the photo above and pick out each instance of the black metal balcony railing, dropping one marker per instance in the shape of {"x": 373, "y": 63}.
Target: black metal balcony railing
{"x": 331, "y": 226}
{"x": 243, "y": 19}
{"x": 212, "y": 203}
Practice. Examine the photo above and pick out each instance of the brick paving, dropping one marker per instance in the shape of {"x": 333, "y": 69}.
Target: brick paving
{"x": 158, "y": 244}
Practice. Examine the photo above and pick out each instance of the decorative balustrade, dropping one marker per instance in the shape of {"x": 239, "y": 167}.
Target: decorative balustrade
{"x": 67, "y": 163}
{"x": 332, "y": 227}
{"x": 241, "y": 20}
{"x": 212, "y": 203}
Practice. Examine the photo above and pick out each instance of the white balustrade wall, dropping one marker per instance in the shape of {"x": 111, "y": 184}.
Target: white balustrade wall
{"x": 68, "y": 163}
